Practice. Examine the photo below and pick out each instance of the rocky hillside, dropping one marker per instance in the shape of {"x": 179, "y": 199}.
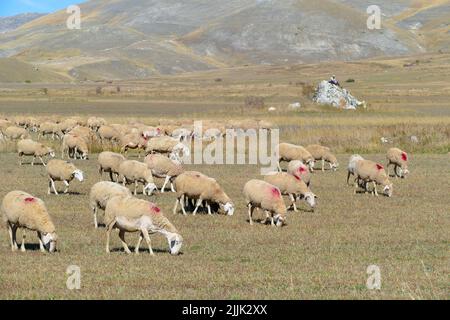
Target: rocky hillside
{"x": 125, "y": 39}
{"x": 13, "y": 22}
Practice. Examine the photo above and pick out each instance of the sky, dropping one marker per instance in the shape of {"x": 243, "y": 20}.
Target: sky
{"x": 13, "y": 7}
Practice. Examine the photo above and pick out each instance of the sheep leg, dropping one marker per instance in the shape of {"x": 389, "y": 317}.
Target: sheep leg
{"x": 268, "y": 216}
{"x": 199, "y": 202}
{"x": 149, "y": 243}
{"x": 375, "y": 188}
{"x": 95, "y": 210}
{"x": 323, "y": 165}
{"x": 395, "y": 171}
{"x": 348, "y": 176}
{"x": 355, "y": 184}
{"x": 53, "y": 186}
{"x": 111, "y": 176}
{"x": 209, "y": 208}
{"x": 172, "y": 187}
{"x": 292, "y": 197}
{"x": 14, "y": 237}
{"x": 22, "y": 246}
{"x": 176, "y": 206}
{"x": 122, "y": 239}
{"x": 32, "y": 161}
{"x": 182, "y": 204}
{"x": 41, "y": 245}
{"x": 67, "y": 186}
{"x": 138, "y": 244}
{"x": 165, "y": 182}
{"x": 11, "y": 236}
{"x": 279, "y": 166}
{"x": 135, "y": 187}
{"x": 250, "y": 213}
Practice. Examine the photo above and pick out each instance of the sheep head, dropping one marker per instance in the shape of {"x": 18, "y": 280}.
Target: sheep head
{"x": 78, "y": 174}
{"x": 388, "y": 189}
{"x": 49, "y": 240}
{"x": 310, "y": 199}
{"x": 175, "y": 242}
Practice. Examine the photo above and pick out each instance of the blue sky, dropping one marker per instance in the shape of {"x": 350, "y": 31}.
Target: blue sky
{"x": 13, "y": 7}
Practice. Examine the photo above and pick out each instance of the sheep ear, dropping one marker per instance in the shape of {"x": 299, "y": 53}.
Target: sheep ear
{"x": 316, "y": 197}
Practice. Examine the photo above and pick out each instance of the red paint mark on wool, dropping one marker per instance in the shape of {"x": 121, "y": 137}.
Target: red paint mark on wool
{"x": 379, "y": 166}
{"x": 155, "y": 208}
{"x": 301, "y": 169}
{"x": 30, "y": 199}
{"x": 276, "y": 193}
{"x": 404, "y": 156}
{"x": 298, "y": 178}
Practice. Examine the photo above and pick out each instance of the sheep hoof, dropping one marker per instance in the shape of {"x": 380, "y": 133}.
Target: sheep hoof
{"x": 22, "y": 249}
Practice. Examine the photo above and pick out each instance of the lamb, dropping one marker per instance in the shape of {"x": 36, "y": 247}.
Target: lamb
{"x": 167, "y": 145}
{"x": 399, "y": 159}
{"x": 134, "y": 171}
{"x": 103, "y": 191}
{"x": 28, "y": 147}
{"x": 197, "y": 186}
{"x": 163, "y": 167}
{"x": 351, "y": 168}
{"x": 109, "y": 162}
{"x": 288, "y": 152}
{"x": 292, "y": 186}
{"x": 369, "y": 171}
{"x": 323, "y": 153}
{"x": 129, "y": 214}
{"x": 267, "y": 197}
{"x": 60, "y": 170}
{"x": 299, "y": 170}
{"x": 15, "y": 133}
{"x": 22, "y": 210}
{"x": 74, "y": 146}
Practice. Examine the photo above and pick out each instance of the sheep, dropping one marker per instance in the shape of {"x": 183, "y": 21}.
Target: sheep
{"x": 15, "y": 133}
{"x": 323, "y": 153}
{"x": 60, "y": 170}
{"x": 197, "y": 186}
{"x": 95, "y": 123}
{"x": 101, "y": 192}
{"x": 267, "y": 197}
{"x": 74, "y": 145}
{"x": 292, "y": 186}
{"x": 108, "y": 133}
{"x": 299, "y": 170}
{"x": 109, "y": 162}
{"x": 48, "y": 128}
{"x": 28, "y": 147}
{"x": 369, "y": 171}
{"x": 351, "y": 168}
{"x": 129, "y": 214}
{"x": 67, "y": 125}
{"x": 163, "y": 167}
{"x": 167, "y": 145}
{"x": 399, "y": 159}
{"x": 288, "y": 152}
{"x": 133, "y": 141}
{"x": 134, "y": 171}
{"x": 22, "y": 210}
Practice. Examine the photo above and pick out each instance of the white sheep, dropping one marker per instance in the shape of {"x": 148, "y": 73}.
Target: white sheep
{"x": 129, "y": 214}
{"x": 323, "y": 153}
{"x": 74, "y": 146}
{"x": 369, "y": 171}
{"x": 267, "y": 197}
{"x": 22, "y": 210}
{"x": 60, "y": 170}
{"x": 399, "y": 159}
{"x": 110, "y": 162}
{"x": 351, "y": 168}
{"x": 197, "y": 186}
{"x": 15, "y": 133}
{"x": 163, "y": 167}
{"x": 132, "y": 171}
{"x": 291, "y": 186}
{"x": 289, "y": 152}
{"x": 299, "y": 170}
{"x": 167, "y": 145}
{"x": 28, "y": 147}
{"x": 103, "y": 191}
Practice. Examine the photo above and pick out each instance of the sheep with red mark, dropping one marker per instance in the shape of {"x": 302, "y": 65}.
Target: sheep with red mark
{"x": 399, "y": 159}
{"x": 267, "y": 197}
{"x": 289, "y": 152}
{"x": 299, "y": 170}
{"x": 371, "y": 172}
{"x": 324, "y": 154}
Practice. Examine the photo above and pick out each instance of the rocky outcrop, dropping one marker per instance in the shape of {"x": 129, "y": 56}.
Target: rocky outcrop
{"x": 330, "y": 94}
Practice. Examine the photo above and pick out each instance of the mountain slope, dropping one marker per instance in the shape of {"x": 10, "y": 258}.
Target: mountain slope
{"x": 124, "y": 39}
{"x": 13, "y": 22}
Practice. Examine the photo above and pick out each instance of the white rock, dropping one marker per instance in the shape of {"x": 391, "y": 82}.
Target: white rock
{"x": 331, "y": 94}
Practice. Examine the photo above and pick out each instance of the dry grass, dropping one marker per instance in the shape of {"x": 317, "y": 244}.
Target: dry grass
{"x": 321, "y": 254}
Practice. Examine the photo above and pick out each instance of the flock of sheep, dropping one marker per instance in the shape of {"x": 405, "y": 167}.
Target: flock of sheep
{"x": 163, "y": 148}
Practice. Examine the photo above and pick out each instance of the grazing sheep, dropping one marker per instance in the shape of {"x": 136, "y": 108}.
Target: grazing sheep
{"x": 60, "y": 170}
{"x": 108, "y": 133}
{"x": 289, "y": 152}
{"x": 163, "y": 167}
{"x": 129, "y": 214}
{"x": 49, "y": 128}
{"x": 101, "y": 192}
{"x": 197, "y": 186}
{"x": 22, "y": 210}
{"x": 67, "y": 125}
{"x": 109, "y": 162}
{"x": 299, "y": 170}
{"x": 399, "y": 159}
{"x": 369, "y": 171}
{"x": 95, "y": 123}
{"x": 292, "y": 186}
{"x": 323, "y": 153}
{"x": 133, "y": 141}
{"x": 167, "y": 145}
{"x": 132, "y": 171}
{"x": 28, "y": 147}
{"x": 267, "y": 197}
{"x": 351, "y": 168}
{"x": 75, "y": 146}
{"x": 15, "y": 133}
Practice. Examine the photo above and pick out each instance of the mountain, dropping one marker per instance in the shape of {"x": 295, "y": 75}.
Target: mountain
{"x": 126, "y": 39}
{"x": 13, "y": 22}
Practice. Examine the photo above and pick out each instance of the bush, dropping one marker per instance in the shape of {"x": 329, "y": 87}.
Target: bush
{"x": 27, "y": 81}
{"x": 350, "y": 80}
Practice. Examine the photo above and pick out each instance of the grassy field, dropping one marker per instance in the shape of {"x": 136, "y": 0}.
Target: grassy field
{"x": 322, "y": 254}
